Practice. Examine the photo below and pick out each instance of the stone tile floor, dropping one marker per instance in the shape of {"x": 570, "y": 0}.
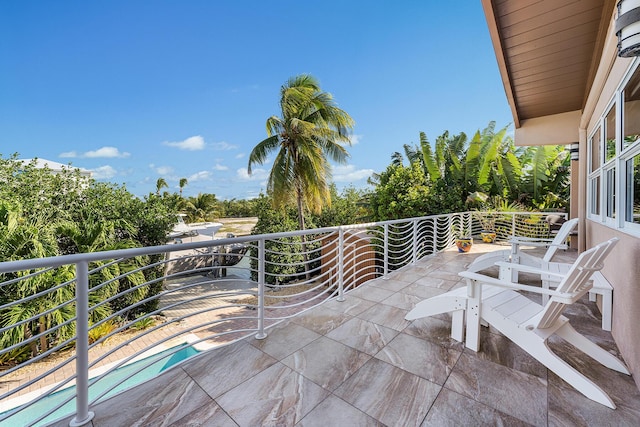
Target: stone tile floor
{"x": 359, "y": 363}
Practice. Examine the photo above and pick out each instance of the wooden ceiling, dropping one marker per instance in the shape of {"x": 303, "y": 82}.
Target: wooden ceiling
{"x": 547, "y": 51}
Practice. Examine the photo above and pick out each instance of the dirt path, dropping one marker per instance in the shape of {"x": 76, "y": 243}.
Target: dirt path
{"x": 237, "y": 226}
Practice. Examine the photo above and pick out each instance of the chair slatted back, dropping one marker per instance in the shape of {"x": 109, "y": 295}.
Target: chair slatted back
{"x": 560, "y": 238}
{"x": 576, "y": 283}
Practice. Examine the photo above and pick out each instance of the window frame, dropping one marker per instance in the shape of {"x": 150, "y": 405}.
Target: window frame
{"x": 615, "y": 167}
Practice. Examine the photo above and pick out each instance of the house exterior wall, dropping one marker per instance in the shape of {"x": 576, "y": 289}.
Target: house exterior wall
{"x": 622, "y": 268}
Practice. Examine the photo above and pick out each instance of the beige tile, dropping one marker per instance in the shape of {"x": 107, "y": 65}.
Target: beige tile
{"x": 445, "y": 283}
{"x": 388, "y": 284}
{"x": 334, "y": 411}
{"x": 385, "y": 315}
{"x": 436, "y": 329}
{"x": 420, "y": 357}
{"x": 204, "y": 416}
{"x": 321, "y": 319}
{"x": 326, "y": 362}
{"x": 389, "y": 394}
{"x": 155, "y": 403}
{"x": 284, "y": 339}
{"x": 402, "y": 300}
{"x": 452, "y": 410}
{"x": 371, "y": 293}
{"x": 352, "y": 305}
{"x": 422, "y": 291}
{"x": 278, "y": 396}
{"x": 362, "y": 335}
{"x": 501, "y": 388}
{"x": 221, "y": 369}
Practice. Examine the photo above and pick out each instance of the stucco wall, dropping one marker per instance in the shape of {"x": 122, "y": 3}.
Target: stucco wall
{"x": 622, "y": 269}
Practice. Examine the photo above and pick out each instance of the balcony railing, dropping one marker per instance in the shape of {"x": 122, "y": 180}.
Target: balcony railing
{"x": 78, "y": 328}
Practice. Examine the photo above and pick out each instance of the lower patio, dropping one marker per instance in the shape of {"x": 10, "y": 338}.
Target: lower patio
{"x": 359, "y": 363}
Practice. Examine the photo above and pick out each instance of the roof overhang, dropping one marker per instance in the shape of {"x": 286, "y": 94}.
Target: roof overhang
{"x": 548, "y": 52}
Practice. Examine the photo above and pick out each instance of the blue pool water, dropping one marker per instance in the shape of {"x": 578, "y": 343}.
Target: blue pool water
{"x": 26, "y": 417}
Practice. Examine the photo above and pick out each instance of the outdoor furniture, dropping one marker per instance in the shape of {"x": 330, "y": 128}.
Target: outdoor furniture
{"x": 514, "y": 255}
{"x": 528, "y": 324}
{"x": 513, "y": 261}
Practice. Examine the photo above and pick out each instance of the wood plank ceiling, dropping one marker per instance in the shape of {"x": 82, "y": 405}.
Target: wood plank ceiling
{"x": 547, "y": 51}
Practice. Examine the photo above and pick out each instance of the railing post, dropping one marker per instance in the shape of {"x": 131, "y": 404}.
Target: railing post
{"x": 415, "y": 241}
{"x": 83, "y": 415}
{"x": 513, "y": 224}
{"x": 261, "y": 277}
{"x": 386, "y": 251}
{"x": 434, "y": 248}
{"x": 341, "y": 264}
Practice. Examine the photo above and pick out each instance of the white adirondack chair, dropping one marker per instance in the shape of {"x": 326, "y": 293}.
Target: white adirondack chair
{"x": 526, "y": 323}
{"x": 514, "y": 255}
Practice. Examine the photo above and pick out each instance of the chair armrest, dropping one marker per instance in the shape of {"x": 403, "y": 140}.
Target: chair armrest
{"x": 529, "y": 269}
{"x": 540, "y": 243}
{"x": 487, "y": 280}
{"x": 522, "y": 239}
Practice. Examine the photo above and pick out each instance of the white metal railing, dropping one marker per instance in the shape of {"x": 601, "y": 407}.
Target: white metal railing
{"x": 69, "y": 323}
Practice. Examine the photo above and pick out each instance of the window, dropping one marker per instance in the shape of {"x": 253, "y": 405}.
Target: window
{"x": 610, "y": 193}
{"x": 610, "y": 134}
{"x": 594, "y": 175}
{"x": 594, "y": 208}
{"x": 594, "y": 145}
{"x": 631, "y": 118}
{"x": 613, "y": 176}
{"x": 633, "y": 190}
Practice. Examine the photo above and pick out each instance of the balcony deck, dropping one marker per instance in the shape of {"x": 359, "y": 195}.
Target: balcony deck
{"x": 358, "y": 362}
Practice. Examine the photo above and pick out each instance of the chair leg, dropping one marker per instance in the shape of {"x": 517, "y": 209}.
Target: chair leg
{"x": 579, "y": 341}
{"x": 457, "y": 325}
{"x": 607, "y": 308}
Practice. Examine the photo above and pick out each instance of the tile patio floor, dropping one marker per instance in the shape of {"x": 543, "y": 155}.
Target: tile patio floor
{"x": 359, "y": 363}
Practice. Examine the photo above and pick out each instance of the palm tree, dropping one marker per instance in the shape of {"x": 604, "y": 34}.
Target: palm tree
{"x": 183, "y": 182}
{"x": 202, "y": 207}
{"x": 310, "y": 132}
{"x": 160, "y": 184}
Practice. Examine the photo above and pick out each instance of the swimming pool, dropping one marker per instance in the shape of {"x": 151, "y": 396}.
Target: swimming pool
{"x": 26, "y": 417}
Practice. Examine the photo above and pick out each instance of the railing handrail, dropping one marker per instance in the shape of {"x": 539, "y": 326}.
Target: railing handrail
{"x": 57, "y": 261}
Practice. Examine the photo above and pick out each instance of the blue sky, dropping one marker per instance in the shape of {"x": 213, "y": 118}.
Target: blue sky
{"x": 137, "y": 90}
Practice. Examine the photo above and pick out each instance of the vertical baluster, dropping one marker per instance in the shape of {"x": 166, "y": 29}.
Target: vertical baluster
{"x": 341, "y": 264}
{"x": 415, "y": 242}
{"x": 83, "y": 415}
{"x": 261, "y": 277}
{"x": 386, "y": 250}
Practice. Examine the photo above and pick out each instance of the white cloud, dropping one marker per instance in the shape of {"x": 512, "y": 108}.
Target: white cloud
{"x": 256, "y": 175}
{"x": 220, "y": 167}
{"x": 355, "y": 139}
{"x": 200, "y": 176}
{"x": 164, "y": 170}
{"x": 223, "y": 146}
{"x": 193, "y": 143}
{"x": 240, "y": 155}
{"x": 105, "y": 152}
{"x": 349, "y": 173}
{"x": 104, "y": 172}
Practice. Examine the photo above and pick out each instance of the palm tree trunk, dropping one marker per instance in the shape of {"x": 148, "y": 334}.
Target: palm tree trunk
{"x": 43, "y": 339}
{"x": 301, "y": 225}
{"x": 32, "y": 344}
